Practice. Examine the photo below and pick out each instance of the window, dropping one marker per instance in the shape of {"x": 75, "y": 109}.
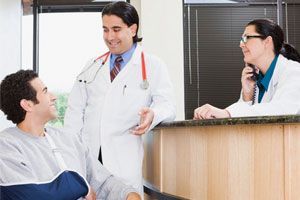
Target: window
{"x": 27, "y": 40}
{"x": 69, "y": 34}
{"x": 66, "y": 42}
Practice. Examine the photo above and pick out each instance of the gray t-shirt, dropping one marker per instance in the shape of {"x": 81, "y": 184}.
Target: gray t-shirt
{"x": 25, "y": 158}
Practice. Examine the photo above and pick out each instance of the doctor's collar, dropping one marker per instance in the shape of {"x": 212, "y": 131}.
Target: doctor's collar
{"x": 126, "y": 55}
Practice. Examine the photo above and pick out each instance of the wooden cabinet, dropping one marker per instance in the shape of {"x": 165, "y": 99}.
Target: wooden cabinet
{"x": 225, "y": 162}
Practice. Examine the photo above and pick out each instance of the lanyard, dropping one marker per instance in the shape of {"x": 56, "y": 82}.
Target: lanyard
{"x": 57, "y": 154}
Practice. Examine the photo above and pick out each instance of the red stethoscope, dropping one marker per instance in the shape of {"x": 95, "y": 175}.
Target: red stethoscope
{"x": 104, "y": 57}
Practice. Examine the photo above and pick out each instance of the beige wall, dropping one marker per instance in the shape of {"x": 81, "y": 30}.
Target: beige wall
{"x": 10, "y": 40}
{"x": 162, "y": 29}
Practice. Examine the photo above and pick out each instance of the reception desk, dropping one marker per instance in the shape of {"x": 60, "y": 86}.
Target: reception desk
{"x": 226, "y": 159}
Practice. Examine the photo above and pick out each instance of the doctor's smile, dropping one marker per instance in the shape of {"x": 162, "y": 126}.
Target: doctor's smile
{"x": 119, "y": 97}
{"x": 113, "y": 44}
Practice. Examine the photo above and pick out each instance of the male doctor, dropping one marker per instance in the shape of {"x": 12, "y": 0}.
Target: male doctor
{"x": 119, "y": 96}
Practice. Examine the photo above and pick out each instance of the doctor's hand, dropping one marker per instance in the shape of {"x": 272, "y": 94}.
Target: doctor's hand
{"x": 210, "y": 112}
{"x": 91, "y": 195}
{"x": 133, "y": 196}
{"x": 146, "y": 118}
{"x": 248, "y": 84}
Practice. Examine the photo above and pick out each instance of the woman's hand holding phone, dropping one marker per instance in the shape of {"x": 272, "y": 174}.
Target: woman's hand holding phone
{"x": 248, "y": 80}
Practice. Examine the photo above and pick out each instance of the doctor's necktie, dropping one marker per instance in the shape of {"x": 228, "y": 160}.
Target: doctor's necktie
{"x": 116, "y": 69}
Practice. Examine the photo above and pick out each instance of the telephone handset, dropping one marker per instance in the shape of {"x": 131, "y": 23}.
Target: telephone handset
{"x": 254, "y": 77}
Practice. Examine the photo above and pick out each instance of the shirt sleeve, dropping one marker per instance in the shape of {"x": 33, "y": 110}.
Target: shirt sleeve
{"x": 162, "y": 94}
{"x": 73, "y": 121}
{"x": 14, "y": 166}
{"x": 74, "y": 116}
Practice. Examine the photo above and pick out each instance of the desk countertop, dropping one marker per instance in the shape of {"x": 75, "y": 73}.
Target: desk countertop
{"x": 284, "y": 119}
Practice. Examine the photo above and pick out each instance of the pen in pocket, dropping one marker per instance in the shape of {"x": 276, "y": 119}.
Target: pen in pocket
{"x": 124, "y": 87}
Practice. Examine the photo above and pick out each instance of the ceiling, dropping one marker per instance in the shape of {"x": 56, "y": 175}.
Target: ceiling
{"x": 237, "y": 1}
{"x": 27, "y": 4}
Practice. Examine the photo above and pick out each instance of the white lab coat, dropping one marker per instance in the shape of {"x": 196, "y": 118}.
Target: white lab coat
{"x": 103, "y": 112}
{"x": 282, "y": 96}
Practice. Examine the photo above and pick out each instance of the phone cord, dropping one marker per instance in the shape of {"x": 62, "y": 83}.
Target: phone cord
{"x": 254, "y": 93}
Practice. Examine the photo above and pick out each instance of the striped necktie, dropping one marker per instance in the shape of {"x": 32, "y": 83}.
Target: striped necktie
{"x": 116, "y": 69}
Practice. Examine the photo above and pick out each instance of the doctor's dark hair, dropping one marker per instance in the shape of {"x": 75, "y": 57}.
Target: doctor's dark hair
{"x": 13, "y": 89}
{"x": 126, "y": 12}
{"x": 267, "y": 27}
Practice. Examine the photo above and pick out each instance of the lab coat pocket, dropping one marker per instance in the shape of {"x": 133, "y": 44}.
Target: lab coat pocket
{"x": 135, "y": 97}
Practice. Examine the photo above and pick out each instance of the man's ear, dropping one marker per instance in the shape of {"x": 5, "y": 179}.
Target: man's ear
{"x": 26, "y": 105}
{"x": 133, "y": 29}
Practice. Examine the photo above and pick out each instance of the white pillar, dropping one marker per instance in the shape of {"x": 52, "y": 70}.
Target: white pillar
{"x": 10, "y": 40}
{"x": 162, "y": 32}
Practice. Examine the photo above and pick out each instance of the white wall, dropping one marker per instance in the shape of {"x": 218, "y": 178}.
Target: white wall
{"x": 10, "y": 42}
{"x": 162, "y": 32}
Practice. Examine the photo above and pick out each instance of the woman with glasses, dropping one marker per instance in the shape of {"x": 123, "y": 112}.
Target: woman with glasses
{"x": 270, "y": 78}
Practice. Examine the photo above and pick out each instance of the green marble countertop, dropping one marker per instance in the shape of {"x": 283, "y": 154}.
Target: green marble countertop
{"x": 284, "y": 119}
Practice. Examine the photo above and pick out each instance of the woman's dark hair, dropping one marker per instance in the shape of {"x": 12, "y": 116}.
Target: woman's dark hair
{"x": 126, "y": 12}
{"x": 266, "y": 27}
{"x": 13, "y": 89}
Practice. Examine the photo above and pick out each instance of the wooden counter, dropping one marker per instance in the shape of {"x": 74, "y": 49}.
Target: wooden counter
{"x": 226, "y": 159}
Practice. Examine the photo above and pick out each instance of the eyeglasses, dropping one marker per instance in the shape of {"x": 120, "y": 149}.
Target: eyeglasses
{"x": 245, "y": 38}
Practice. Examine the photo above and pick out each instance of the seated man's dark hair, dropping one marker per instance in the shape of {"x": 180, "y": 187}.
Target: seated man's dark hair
{"x": 13, "y": 89}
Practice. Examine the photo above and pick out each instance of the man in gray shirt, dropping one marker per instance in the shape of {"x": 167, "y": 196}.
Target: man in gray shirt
{"x": 38, "y": 162}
